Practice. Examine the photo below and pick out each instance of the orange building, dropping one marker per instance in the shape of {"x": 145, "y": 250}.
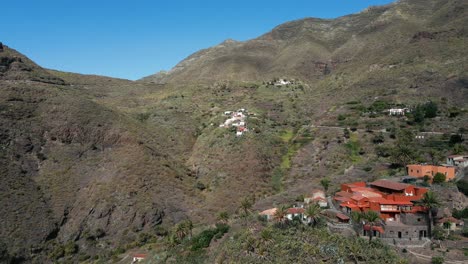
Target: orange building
{"x": 421, "y": 170}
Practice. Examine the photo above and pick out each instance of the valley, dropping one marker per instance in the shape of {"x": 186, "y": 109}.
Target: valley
{"x": 95, "y": 168}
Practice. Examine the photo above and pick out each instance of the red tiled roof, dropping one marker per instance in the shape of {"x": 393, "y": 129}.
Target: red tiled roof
{"x": 349, "y": 205}
{"x": 376, "y": 228}
{"x": 296, "y": 210}
{"x": 139, "y": 255}
{"x": 396, "y": 186}
{"x": 271, "y": 211}
{"x": 342, "y": 199}
{"x": 342, "y": 216}
{"x": 357, "y": 197}
{"x": 344, "y": 194}
{"x": 450, "y": 219}
{"x": 319, "y": 198}
{"x": 390, "y": 202}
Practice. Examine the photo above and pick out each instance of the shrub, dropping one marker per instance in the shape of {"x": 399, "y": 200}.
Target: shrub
{"x": 439, "y": 178}
{"x": 464, "y": 232}
{"x": 70, "y": 248}
{"x": 203, "y": 239}
{"x": 437, "y": 260}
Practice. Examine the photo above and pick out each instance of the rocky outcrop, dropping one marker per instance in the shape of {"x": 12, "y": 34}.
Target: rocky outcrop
{"x": 1, "y": 47}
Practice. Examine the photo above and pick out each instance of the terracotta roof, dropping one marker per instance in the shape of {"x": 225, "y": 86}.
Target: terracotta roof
{"x": 450, "y": 219}
{"x": 358, "y": 197}
{"x": 342, "y": 216}
{"x": 344, "y": 194}
{"x": 376, "y": 228}
{"x": 342, "y": 199}
{"x": 271, "y": 211}
{"x": 388, "y": 201}
{"x": 319, "y": 198}
{"x": 455, "y": 156}
{"x": 296, "y": 210}
{"x": 396, "y": 186}
{"x": 349, "y": 205}
{"x": 139, "y": 255}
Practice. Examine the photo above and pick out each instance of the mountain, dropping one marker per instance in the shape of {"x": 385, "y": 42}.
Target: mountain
{"x": 309, "y": 48}
{"x": 92, "y": 166}
{"x": 73, "y": 170}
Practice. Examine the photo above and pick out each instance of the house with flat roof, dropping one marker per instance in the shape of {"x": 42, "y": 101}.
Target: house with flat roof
{"x": 458, "y": 160}
{"x": 421, "y": 170}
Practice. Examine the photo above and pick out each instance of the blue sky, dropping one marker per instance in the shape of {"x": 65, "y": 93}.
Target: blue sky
{"x": 135, "y": 38}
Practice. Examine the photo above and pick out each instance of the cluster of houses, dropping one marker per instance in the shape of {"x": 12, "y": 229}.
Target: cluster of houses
{"x": 401, "y": 216}
{"x": 298, "y": 210}
{"x": 236, "y": 119}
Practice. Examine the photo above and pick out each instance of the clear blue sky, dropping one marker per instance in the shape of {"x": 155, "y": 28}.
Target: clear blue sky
{"x": 135, "y": 38}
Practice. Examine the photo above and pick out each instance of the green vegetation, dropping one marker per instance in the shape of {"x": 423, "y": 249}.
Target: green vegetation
{"x": 439, "y": 178}
{"x": 203, "y": 239}
{"x": 430, "y": 201}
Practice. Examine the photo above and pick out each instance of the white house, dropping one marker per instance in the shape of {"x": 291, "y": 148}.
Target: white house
{"x": 282, "y": 82}
{"x": 295, "y": 212}
{"x": 318, "y": 196}
{"x": 458, "y": 160}
{"x": 269, "y": 214}
{"x": 398, "y": 111}
{"x": 138, "y": 257}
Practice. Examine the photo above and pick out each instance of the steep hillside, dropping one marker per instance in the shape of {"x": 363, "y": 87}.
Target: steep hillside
{"x": 73, "y": 170}
{"x": 92, "y": 165}
{"x": 310, "y": 48}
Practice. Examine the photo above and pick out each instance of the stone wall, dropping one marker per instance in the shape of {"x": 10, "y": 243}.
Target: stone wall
{"x": 405, "y": 232}
{"x": 413, "y": 219}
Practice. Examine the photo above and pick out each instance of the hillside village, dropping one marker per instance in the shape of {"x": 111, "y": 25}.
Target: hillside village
{"x": 238, "y": 120}
{"x": 400, "y": 214}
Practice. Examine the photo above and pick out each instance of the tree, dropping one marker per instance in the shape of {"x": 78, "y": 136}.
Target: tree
{"x": 435, "y": 156}
{"x": 188, "y": 225}
{"x": 439, "y": 178}
{"x": 429, "y": 201}
{"x": 356, "y": 218}
{"x": 430, "y": 110}
{"x": 280, "y": 214}
{"x": 223, "y": 217}
{"x": 371, "y": 218}
{"x": 246, "y": 205}
{"x": 313, "y": 214}
{"x": 378, "y": 139}
{"x": 325, "y": 182}
{"x": 180, "y": 231}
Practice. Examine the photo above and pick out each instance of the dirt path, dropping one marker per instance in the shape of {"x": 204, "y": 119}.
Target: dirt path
{"x": 429, "y": 258}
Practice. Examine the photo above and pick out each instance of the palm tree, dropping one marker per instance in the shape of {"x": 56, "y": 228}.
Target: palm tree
{"x": 223, "y": 217}
{"x": 371, "y": 218}
{"x": 280, "y": 214}
{"x": 429, "y": 201}
{"x": 188, "y": 225}
{"x": 325, "y": 182}
{"x": 313, "y": 214}
{"x": 246, "y": 205}
{"x": 356, "y": 218}
{"x": 180, "y": 231}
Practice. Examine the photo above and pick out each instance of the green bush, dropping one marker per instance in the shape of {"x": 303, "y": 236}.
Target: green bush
{"x": 463, "y": 186}
{"x": 203, "y": 239}
{"x": 437, "y": 260}
{"x": 439, "y": 178}
{"x": 70, "y": 248}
